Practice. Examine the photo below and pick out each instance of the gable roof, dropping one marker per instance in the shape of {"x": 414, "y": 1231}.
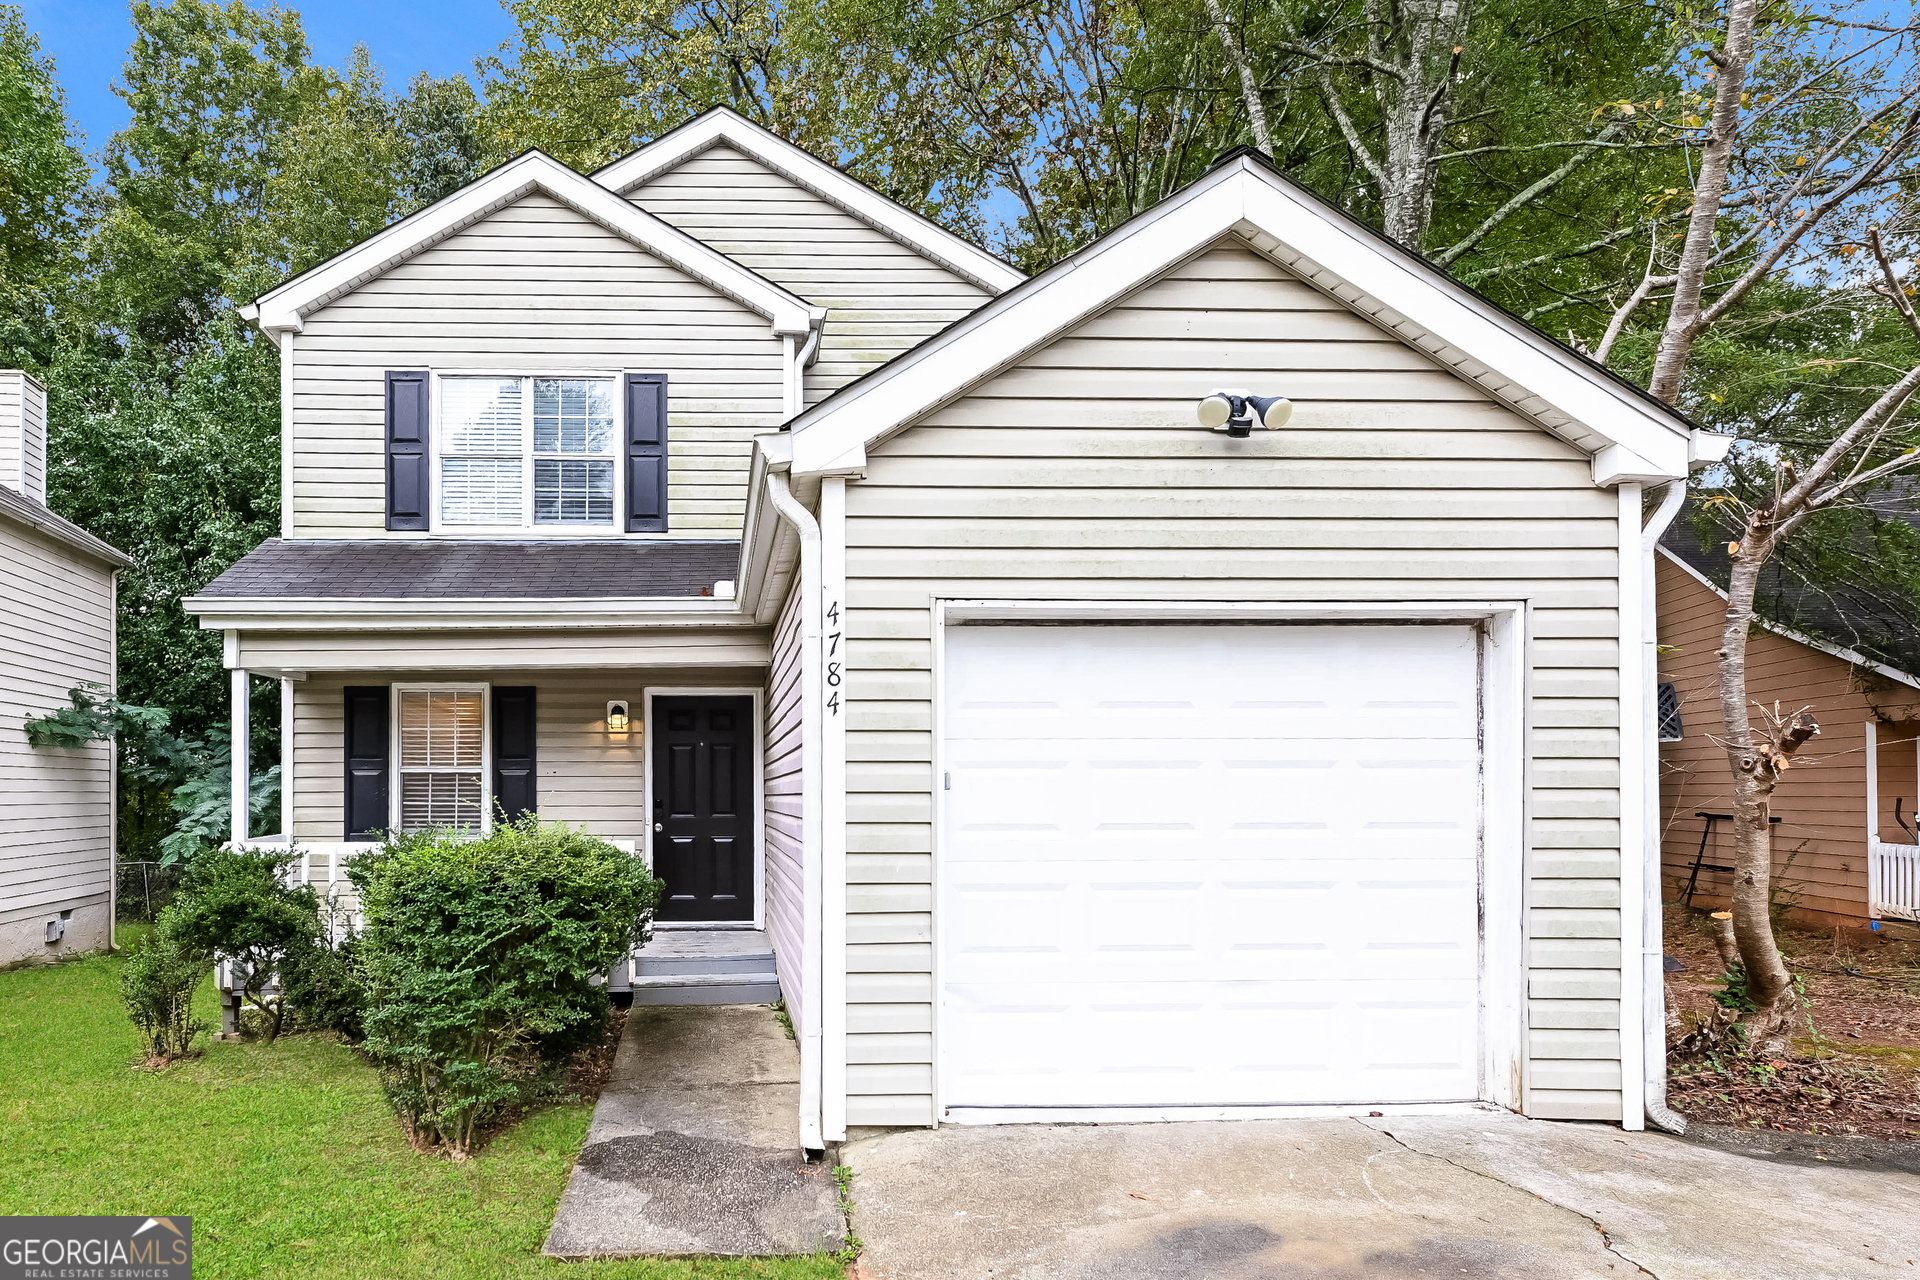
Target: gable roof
{"x": 720, "y": 126}
{"x": 286, "y": 306}
{"x": 1629, "y": 435}
{"x": 1832, "y": 600}
{"x": 1842, "y": 652}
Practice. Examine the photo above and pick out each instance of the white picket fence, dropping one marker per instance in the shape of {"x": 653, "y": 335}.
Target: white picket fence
{"x": 1893, "y": 880}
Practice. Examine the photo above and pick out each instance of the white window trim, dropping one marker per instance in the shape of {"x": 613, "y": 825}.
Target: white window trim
{"x": 617, "y": 527}
{"x": 485, "y": 690}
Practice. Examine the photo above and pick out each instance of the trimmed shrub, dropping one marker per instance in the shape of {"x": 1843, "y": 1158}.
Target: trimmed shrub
{"x": 158, "y": 982}
{"x": 238, "y": 904}
{"x": 321, "y": 980}
{"x": 479, "y": 957}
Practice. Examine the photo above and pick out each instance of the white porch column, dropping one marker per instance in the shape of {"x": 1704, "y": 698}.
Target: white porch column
{"x": 286, "y": 758}
{"x": 240, "y": 751}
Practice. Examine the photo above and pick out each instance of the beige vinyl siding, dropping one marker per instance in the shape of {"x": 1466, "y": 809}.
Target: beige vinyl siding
{"x": 534, "y": 286}
{"x": 882, "y": 296}
{"x": 454, "y": 651}
{"x": 785, "y": 780}
{"x": 23, "y": 434}
{"x": 585, "y": 774}
{"x": 1081, "y": 473}
{"x": 56, "y": 632}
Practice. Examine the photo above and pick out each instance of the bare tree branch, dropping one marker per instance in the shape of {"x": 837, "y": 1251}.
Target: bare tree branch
{"x": 1249, "y": 87}
{"x": 1528, "y": 196}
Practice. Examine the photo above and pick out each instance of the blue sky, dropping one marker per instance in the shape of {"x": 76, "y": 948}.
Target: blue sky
{"x": 88, "y": 40}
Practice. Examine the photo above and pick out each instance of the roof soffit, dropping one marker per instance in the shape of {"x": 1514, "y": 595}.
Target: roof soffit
{"x": 285, "y": 307}
{"x": 721, "y": 126}
{"x": 1628, "y": 436}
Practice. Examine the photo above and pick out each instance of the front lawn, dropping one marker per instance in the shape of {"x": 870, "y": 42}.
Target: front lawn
{"x": 286, "y": 1156}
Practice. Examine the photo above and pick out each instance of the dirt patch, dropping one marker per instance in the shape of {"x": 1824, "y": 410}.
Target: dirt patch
{"x": 1855, "y": 1068}
{"x": 591, "y": 1068}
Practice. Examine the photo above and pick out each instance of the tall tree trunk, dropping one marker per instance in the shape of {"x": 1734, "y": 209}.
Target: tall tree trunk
{"x": 1249, "y": 85}
{"x": 1756, "y": 768}
{"x": 1684, "y": 318}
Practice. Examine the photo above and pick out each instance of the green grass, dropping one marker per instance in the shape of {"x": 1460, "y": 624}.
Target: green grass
{"x": 286, "y": 1156}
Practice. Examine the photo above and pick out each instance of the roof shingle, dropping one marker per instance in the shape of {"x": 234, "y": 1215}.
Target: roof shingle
{"x": 408, "y": 569}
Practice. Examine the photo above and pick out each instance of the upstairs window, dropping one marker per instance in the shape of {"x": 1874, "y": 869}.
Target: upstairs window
{"x": 527, "y": 452}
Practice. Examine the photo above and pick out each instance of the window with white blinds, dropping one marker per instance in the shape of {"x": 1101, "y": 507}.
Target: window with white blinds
{"x": 442, "y": 758}
{"x": 520, "y": 452}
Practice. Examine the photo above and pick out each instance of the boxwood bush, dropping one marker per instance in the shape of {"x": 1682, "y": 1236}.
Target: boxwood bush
{"x": 478, "y": 958}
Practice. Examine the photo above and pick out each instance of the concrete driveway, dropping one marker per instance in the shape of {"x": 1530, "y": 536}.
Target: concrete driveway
{"x": 1482, "y": 1195}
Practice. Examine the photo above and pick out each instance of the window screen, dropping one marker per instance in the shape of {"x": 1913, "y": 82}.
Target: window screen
{"x": 1669, "y": 713}
{"x": 517, "y": 452}
{"x": 441, "y": 759}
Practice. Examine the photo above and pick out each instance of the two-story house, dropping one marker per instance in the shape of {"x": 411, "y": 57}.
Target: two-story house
{"x": 57, "y": 588}
{"x": 1083, "y": 750}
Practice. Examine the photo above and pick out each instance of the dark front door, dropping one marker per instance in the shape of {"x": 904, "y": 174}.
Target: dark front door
{"x": 703, "y": 807}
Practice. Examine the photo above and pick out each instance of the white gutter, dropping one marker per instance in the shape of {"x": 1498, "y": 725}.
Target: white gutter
{"x": 1653, "y": 985}
{"x": 811, "y": 914}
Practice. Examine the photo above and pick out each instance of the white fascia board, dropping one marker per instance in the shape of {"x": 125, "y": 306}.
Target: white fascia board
{"x": 851, "y": 196}
{"x": 833, "y": 436}
{"x": 285, "y": 307}
{"x": 1405, "y": 296}
{"x": 218, "y": 613}
{"x": 1799, "y": 637}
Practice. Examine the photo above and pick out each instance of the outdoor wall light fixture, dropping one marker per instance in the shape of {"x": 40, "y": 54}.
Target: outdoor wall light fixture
{"x": 1236, "y": 412}
{"x": 617, "y": 720}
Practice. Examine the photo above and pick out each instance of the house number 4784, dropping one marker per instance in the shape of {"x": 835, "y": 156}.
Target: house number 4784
{"x": 833, "y": 653}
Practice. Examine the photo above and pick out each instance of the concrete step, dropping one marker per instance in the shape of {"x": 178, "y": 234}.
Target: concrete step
{"x": 649, "y": 966}
{"x": 707, "y": 988}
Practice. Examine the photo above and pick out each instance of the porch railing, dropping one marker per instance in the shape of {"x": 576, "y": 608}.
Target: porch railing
{"x": 1893, "y": 880}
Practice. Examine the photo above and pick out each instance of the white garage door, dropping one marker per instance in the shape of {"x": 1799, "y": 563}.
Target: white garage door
{"x": 1210, "y": 865}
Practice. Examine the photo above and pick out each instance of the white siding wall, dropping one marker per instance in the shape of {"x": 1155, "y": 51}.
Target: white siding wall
{"x": 23, "y": 434}
{"x": 1081, "y": 473}
{"x": 56, "y": 631}
{"x": 586, "y": 775}
{"x": 883, "y": 296}
{"x": 784, "y": 780}
{"x": 535, "y": 286}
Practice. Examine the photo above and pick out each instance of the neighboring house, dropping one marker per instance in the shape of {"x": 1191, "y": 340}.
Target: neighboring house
{"x": 1844, "y": 849}
{"x": 1079, "y": 761}
{"x": 56, "y": 633}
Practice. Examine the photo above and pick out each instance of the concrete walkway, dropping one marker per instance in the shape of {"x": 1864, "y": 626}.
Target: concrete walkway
{"x": 694, "y": 1148}
{"x": 1481, "y": 1195}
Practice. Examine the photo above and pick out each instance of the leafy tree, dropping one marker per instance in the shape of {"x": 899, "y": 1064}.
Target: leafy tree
{"x": 238, "y": 904}
{"x": 43, "y": 184}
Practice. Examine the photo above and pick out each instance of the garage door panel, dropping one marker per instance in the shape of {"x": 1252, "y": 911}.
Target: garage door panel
{"x": 1088, "y": 790}
{"x": 1028, "y": 920}
{"x": 1118, "y": 682}
{"x": 1178, "y": 1044}
{"x": 1210, "y": 866}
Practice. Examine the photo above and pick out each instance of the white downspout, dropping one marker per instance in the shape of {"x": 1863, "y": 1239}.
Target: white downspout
{"x": 1653, "y": 1005}
{"x": 833, "y": 805}
{"x": 812, "y": 913}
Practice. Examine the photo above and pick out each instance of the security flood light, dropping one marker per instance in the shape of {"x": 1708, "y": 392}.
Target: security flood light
{"x": 1236, "y": 412}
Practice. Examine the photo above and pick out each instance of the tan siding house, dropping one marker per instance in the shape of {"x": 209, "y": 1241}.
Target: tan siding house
{"x": 1209, "y": 679}
{"x": 1845, "y": 809}
{"x": 56, "y": 634}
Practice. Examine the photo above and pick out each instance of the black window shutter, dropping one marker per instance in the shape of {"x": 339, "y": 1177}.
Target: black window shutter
{"x": 368, "y": 739}
{"x": 514, "y": 786}
{"x": 408, "y": 469}
{"x": 646, "y": 453}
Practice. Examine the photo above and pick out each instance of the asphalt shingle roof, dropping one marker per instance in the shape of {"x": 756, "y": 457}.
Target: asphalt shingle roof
{"x": 402, "y": 568}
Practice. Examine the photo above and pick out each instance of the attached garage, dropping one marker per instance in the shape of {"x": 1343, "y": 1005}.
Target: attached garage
{"x": 1210, "y": 865}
